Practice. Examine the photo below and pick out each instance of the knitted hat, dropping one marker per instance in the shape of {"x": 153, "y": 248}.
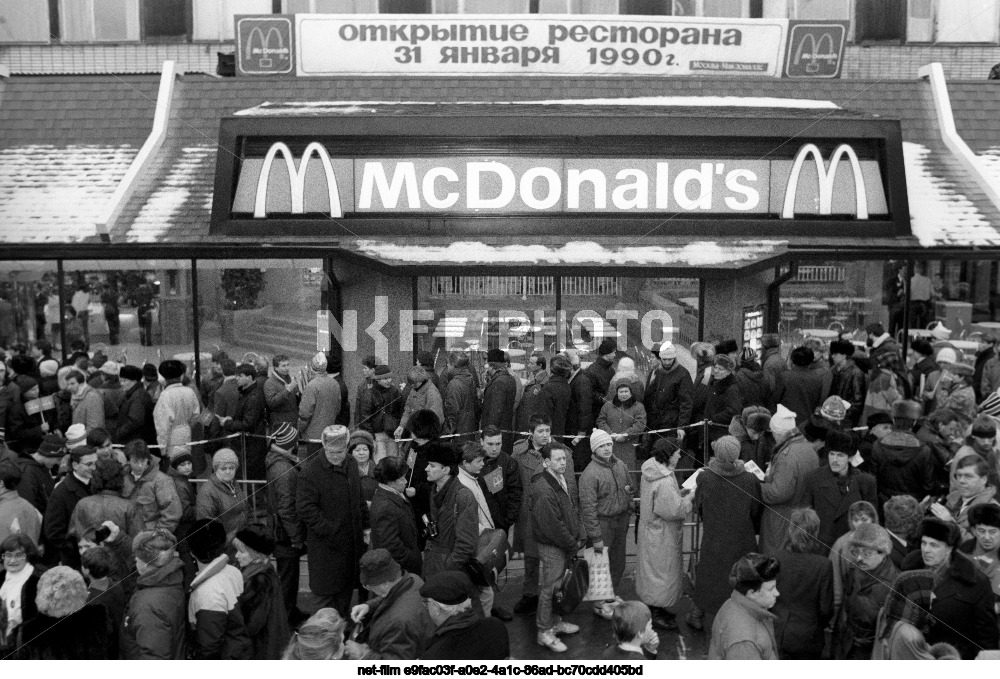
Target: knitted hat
{"x": 130, "y": 372}
{"x": 943, "y": 531}
{"x": 962, "y": 369}
{"x": 149, "y": 372}
{"x": 726, "y": 347}
{"x": 608, "y": 346}
{"x": 747, "y": 354}
{"x": 947, "y": 355}
{"x": 727, "y": 449}
{"x": 382, "y": 371}
{"x": 621, "y": 380}
{"x": 910, "y": 599}
{"x": 111, "y": 368}
{"x": 448, "y": 588}
{"x": 991, "y": 405}
{"x": 598, "y": 438}
{"x": 842, "y": 347}
{"x": 834, "y": 408}
{"x": 285, "y": 435}
{"x": 985, "y": 515}
{"x": 48, "y": 367}
{"x": 668, "y": 351}
{"x": 318, "y": 362}
{"x": 172, "y": 369}
{"x": 179, "y": 458}
{"x": 336, "y": 435}
{"x": 378, "y": 567}
{"x": 724, "y": 361}
{"x": 359, "y": 437}
{"x": 256, "y": 541}
{"x": 782, "y": 421}
{"x": 940, "y": 332}
{"x": 224, "y": 456}
{"x": 872, "y": 536}
{"x": 53, "y": 445}
{"x": 76, "y": 436}
{"x": 902, "y": 515}
{"x": 496, "y": 356}
{"x": 984, "y": 427}
{"x": 441, "y": 454}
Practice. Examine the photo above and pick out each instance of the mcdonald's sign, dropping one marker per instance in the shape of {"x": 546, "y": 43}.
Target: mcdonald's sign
{"x": 815, "y": 49}
{"x": 265, "y": 45}
{"x": 826, "y": 177}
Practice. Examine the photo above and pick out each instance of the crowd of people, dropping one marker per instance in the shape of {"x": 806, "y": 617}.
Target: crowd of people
{"x": 846, "y": 496}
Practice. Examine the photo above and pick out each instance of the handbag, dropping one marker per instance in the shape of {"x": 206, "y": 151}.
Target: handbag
{"x": 490, "y": 559}
{"x": 572, "y": 586}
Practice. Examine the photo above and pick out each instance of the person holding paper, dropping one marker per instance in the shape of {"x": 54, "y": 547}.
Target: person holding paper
{"x": 783, "y": 488}
{"x": 832, "y": 489}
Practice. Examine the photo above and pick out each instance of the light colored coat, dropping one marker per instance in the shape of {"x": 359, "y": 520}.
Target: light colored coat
{"x": 659, "y": 576}
{"x": 784, "y": 489}
{"x": 172, "y": 415}
{"x": 319, "y": 407}
{"x": 88, "y": 408}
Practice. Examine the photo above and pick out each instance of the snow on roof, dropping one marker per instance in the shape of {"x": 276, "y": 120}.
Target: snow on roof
{"x": 351, "y": 107}
{"x": 990, "y": 162}
{"x": 940, "y": 215}
{"x": 699, "y": 253}
{"x": 184, "y": 182}
{"x": 56, "y": 193}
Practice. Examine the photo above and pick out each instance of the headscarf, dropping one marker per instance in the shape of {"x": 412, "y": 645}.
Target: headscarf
{"x": 909, "y": 601}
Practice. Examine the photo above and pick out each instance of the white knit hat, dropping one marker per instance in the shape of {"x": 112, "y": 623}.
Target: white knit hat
{"x": 782, "y": 421}
{"x": 947, "y": 355}
{"x": 599, "y": 438}
{"x": 76, "y": 436}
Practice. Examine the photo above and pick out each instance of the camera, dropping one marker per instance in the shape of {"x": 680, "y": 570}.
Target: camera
{"x": 430, "y": 527}
{"x": 102, "y": 534}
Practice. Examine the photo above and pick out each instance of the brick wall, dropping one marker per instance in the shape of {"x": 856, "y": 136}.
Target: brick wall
{"x": 877, "y": 62}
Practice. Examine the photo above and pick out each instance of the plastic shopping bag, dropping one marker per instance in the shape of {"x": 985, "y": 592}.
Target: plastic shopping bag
{"x": 600, "y": 588}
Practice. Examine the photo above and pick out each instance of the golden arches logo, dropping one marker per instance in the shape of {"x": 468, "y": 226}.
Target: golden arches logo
{"x": 826, "y": 178}
{"x": 297, "y": 179}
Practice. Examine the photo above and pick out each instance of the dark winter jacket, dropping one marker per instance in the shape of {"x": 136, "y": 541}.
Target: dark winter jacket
{"x": 456, "y": 513}
{"x": 556, "y": 398}
{"x": 498, "y": 400}
{"x": 36, "y": 484}
{"x": 581, "y": 416}
{"x": 923, "y": 368}
{"x": 379, "y": 409}
{"x": 282, "y": 476}
{"x": 225, "y": 502}
{"x": 156, "y": 497}
{"x": 29, "y": 609}
{"x": 668, "y": 400}
{"x": 864, "y": 595}
{"x": 282, "y": 405}
{"x": 90, "y": 512}
{"x": 344, "y": 414}
{"x": 502, "y": 480}
{"x": 831, "y": 496}
{"x": 394, "y": 529}
{"x": 962, "y": 606}
{"x": 850, "y": 384}
{"x": 805, "y": 603}
{"x": 135, "y": 417}
{"x": 803, "y": 390}
{"x": 329, "y": 502}
{"x": 251, "y": 418}
{"x": 600, "y": 372}
{"x": 724, "y": 403}
{"x": 154, "y": 626}
{"x": 55, "y": 525}
{"x": 188, "y": 497}
{"x": 531, "y": 401}
{"x": 753, "y": 385}
{"x": 460, "y": 403}
{"x": 264, "y": 612}
{"x": 903, "y": 466}
{"x": 83, "y": 635}
{"x": 554, "y": 514}
{"x": 398, "y": 624}
{"x": 467, "y": 636}
{"x": 774, "y": 366}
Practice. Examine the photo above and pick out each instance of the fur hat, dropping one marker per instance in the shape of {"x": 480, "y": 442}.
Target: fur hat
{"x": 441, "y": 454}
{"x": 130, "y": 372}
{"x": 724, "y": 361}
{"x": 936, "y": 529}
{"x": 285, "y": 436}
{"x": 834, "y": 408}
{"x": 621, "y": 380}
{"x": 877, "y": 418}
{"x": 906, "y": 410}
{"x": 728, "y": 346}
{"x": 726, "y": 449}
{"x": 962, "y": 369}
{"x": 378, "y": 567}
{"x": 336, "y": 434}
{"x": 172, "y": 369}
{"x": 783, "y": 420}
{"x": 947, "y": 355}
{"x": 842, "y": 347}
{"x": 48, "y": 367}
{"x": 902, "y": 515}
{"x": 560, "y": 366}
{"x": 111, "y": 368}
{"x": 448, "y": 588}
{"x": 426, "y": 422}
{"x": 359, "y": 437}
{"x": 872, "y": 536}
{"x": 598, "y": 438}
{"x": 668, "y": 351}
{"x": 61, "y": 592}
{"x": 76, "y": 436}
{"x": 256, "y": 541}
{"x": 496, "y": 356}
{"x": 608, "y": 346}
{"x": 149, "y": 372}
{"x": 224, "y": 456}
{"x": 984, "y": 427}
{"x": 180, "y": 458}
{"x": 985, "y": 515}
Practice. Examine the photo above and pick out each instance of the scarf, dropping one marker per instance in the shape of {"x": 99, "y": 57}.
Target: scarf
{"x": 80, "y": 394}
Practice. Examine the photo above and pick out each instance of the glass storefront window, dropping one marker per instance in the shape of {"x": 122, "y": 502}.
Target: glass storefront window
{"x": 29, "y": 303}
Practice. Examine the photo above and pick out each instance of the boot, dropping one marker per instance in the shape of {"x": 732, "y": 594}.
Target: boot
{"x": 526, "y": 605}
{"x": 663, "y": 619}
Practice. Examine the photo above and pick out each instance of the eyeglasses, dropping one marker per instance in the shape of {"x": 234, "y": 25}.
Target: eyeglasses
{"x": 865, "y": 553}
{"x": 14, "y": 556}
{"x": 227, "y": 467}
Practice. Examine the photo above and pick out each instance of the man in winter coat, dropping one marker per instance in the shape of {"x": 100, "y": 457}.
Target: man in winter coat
{"x": 135, "y": 414}
{"x": 600, "y": 373}
{"x": 329, "y": 502}
{"x": 559, "y": 534}
{"x": 880, "y": 342}
{"x": 784, "y": 486}
{"x": 379, "y": 411}
{"x": 669, "y": 399}
{"x": 423, "y": 395}
{"x": 319, "y": 407}
{"x": 281, "y": 393}
{"x": 461, "y": 633}
{"x": 227, "y": 396}
{"x": 398, "y": 626}
{"x": 849, "y": 382}
{"x": 499, "y": 397}
{"x": 833, "y": 488}
{"x": 454, "y": 515}
{"x": 289, "y": 538}
{"x": 176, "y": 407}
{"x": 606, "y": 495}
{"x": 804, "y": 388}
{"x": 36, "y": 484}
{"x": 152, "y": 490}
{"x": 556, "y": 394}
{"x": 531, "y": 400}
{"x": 581, "y": 419}
{"x": 528, "y": 456}
{"x": 772, "y": 362}
{"x": 250, "y": 418}
{"x": 394, "y": 526}
{"x": 902, "y": 463}
{"x": 502, "y": 479}
{"x": 922, "y": 356}
{"x": 986, "y": 371}
{"x": 74, "y": 487}
{"x": 154, "y": 627}
{"x": 724, "y": 399}
{"x": 460, "y": 401}
{"x": 216, "y": 620}
{"x": 744, "y": 627}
